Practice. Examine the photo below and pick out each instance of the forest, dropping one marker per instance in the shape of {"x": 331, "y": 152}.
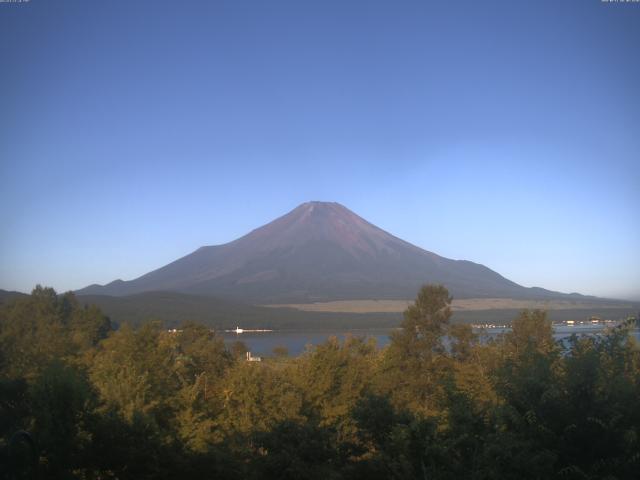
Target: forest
{"x": 80, "y": 399}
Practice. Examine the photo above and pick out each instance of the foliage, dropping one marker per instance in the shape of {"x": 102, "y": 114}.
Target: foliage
{"x": 440, "y": 402}
{"x": 414, "y": 362}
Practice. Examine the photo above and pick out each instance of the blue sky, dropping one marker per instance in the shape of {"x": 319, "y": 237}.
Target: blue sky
{"x": 506, "y": 133}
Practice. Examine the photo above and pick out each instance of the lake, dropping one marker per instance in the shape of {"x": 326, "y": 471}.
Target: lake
{"x": 297, "y": 340}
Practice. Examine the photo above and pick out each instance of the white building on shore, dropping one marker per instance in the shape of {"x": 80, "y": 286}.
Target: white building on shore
{"x": 253, "y": 359}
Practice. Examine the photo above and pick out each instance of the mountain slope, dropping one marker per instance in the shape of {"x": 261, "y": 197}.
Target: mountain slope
{"x": 318, "y": 252}
{"x": 7, "y": 296}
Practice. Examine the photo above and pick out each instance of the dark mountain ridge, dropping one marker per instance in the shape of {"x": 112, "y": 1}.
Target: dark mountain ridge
{"x": 319, "y": 251}
{"x": 7, "y": 296}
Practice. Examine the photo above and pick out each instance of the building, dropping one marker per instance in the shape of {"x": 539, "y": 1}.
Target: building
{"x": 253, "y": 359}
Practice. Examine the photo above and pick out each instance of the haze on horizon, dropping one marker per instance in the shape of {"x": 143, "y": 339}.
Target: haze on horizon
{"x": 505, "y": 133}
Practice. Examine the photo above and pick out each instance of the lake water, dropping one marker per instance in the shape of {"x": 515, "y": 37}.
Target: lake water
{"x": 297, "y": 341}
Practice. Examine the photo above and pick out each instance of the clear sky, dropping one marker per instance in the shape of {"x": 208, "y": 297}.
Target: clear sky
{"x": 502, "y": 132}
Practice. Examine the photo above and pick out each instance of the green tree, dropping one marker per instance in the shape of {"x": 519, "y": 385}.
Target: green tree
{"x": 201, "y": 364}
{"x": 425, "y": 322}
{"x": 46, "y": 327}
{"x": 61, "y": 402}
{"x": 33, "y": 333}
{"x": 333, "y": 376}
{"x": 416, "y": 357}
{"x": 135, "y": 372}
{"x": 292, "y": 450}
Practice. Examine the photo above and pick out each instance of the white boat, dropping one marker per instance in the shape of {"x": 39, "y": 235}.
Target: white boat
{"x": 245, "y": 330}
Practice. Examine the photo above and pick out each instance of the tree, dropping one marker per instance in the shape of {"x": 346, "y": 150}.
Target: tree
{"x": 425, "y": 322}
{"x": 394, "y": 444}
{"x": 531, "y": 332}
{"x": 61, "y": 400}
{"x": 135, "y": 372}
{"x": 292, "y": 450}
{"x": 45, "y": 327}
{"x": 415, "y": 357}
{"x": 201, "y": 364}
{"x": 32, "y": 334}
{"x": 333, "y": 376}
{"x": 256, "y": 396}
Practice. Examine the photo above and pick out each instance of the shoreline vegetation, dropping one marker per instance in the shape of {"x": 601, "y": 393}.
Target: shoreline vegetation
{"x": 465, "y": 304}
{"x": 80, "y": 399}
{"x": 172, "y": 309}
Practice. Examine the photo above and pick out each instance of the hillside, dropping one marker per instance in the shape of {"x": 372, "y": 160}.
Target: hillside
{"x": 320, "y": 252}
{"x": 6, "y": 296}
{"x": 173, "y": 309}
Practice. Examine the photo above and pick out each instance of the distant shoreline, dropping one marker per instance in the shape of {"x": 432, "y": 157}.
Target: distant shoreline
{"x": 458, "y": 305}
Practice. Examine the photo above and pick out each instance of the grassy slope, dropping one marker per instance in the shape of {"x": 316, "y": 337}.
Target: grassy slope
{"x": 468, "y": 304}
{"x": 174, "y": 308}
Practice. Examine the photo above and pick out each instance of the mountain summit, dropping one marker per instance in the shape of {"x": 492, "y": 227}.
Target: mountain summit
{"x": 319, "y": 251}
